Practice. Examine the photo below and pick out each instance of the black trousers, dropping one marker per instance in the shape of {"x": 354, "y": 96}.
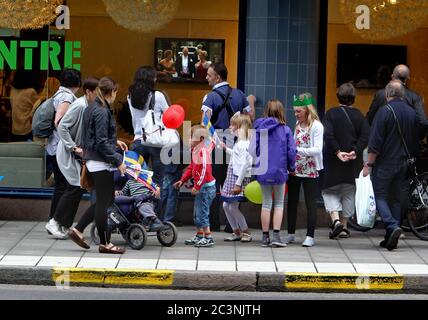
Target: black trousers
{"x": 60, "y": 186}
{"x": 104, "y": 190}
{"x": 310, "y": 192}
{"x": 67, "y": 206}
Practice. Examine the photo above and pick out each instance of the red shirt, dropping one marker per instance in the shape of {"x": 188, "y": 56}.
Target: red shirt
{"x": 200, "y": 168}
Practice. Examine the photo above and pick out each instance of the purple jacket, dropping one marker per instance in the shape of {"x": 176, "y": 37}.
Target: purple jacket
{"x": 274, "y": 159}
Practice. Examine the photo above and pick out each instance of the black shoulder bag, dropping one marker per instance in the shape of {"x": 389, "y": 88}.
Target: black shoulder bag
{"x": 226, "y": 104}
{"x": 411, "y": 161}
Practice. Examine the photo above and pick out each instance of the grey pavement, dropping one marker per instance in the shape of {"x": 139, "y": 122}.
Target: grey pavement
{"x": 26, "y": 244}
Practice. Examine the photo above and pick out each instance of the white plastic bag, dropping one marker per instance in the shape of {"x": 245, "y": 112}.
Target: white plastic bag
{"x": 365, "y": 204}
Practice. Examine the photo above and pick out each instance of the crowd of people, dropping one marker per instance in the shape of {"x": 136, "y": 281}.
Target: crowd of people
{"x": 265, "y": 149}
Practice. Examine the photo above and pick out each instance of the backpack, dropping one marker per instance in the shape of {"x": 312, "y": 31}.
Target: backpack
{"x": 154, "y": 131}
{"x": 43, "y": 120}
{"x": 227, "y": 99}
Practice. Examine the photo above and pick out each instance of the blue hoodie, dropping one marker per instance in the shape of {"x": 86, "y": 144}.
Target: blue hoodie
{"x": 279, "y": 154}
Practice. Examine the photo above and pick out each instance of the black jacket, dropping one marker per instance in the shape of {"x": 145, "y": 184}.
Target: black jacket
{"x": 191, "y": 66}
{"x": 340, "y": 135}
{"x": 412, "y": 99}
{"x": 100, "y": 135}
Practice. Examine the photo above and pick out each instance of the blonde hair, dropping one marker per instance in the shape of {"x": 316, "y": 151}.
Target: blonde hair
{"x": 275, "y": 109}
{"x": 199, "y": 132}
{"x": 244, "y": 124}
{"x": 312, "y": 113}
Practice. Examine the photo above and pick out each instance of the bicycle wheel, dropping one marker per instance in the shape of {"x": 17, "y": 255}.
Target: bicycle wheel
{"x": 417, "y": 215}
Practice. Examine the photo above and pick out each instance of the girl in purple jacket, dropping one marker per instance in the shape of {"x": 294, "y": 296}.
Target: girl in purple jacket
{"x": 274, "y": 151}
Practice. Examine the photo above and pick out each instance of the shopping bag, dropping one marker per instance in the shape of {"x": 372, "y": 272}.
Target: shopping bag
{"x": 365, "y": 204}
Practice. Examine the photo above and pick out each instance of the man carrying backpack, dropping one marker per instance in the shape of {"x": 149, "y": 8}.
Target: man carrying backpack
{"x": 70, "y": 80}
{"x": 219, "y": 106}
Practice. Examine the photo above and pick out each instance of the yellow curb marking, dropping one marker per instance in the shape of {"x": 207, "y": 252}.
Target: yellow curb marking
{"x": 343, "y": 281}
{"x": 114, "y": 276}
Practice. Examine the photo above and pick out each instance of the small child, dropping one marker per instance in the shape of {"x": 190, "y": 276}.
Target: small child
{"x": 204, "y": 189}
{"x": 238, "y": 176}
{"x": 278, "y": 153}
{"x": 144, "y": 196}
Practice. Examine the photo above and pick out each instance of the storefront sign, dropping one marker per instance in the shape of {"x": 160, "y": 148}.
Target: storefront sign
{"x": 49, "y": 54}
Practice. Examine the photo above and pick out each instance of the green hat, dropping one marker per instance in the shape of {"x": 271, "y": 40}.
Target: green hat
{"x": 297, "y": 102}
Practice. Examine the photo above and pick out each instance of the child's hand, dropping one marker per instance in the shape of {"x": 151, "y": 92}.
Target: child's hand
{"x": 178, "y": 184}
{"x": 117, "y": 193}
{"x": 223, "y": 145}
{"x": 157, "y": 194}
{"x": 194, "y": 192}
{"x": 236, "y": 190}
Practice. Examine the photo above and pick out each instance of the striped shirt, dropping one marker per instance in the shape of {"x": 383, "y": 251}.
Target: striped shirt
{"x": 134, "y": 188}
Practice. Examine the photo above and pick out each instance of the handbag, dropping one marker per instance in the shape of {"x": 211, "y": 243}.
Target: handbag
{"x": 365, "y": 203}
{"x": 154, "y": 132}
{"x": 86, "y": 181}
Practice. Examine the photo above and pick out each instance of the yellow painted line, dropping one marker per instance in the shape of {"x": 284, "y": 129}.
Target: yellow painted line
{"x": 76, "y": 275}
{"x": 114, "y": 276}
{"x": 343, "y": 281}
{"x": 139, "y": 277}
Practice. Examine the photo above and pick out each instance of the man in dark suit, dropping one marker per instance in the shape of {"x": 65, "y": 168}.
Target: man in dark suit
{"x": 402, "y": 74}
{"x": 185, "y": 64}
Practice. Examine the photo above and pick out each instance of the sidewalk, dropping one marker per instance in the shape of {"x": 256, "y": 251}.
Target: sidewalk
{"x": 28, "y": 255}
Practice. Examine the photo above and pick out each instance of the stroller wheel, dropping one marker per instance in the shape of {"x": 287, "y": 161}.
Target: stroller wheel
{"x": 136, "y": 236}
{"x": 167, "y": 236}
{"x": 94, "y": 234}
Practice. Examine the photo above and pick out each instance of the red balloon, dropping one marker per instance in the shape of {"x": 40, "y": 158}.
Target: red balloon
{"x": 173, "y": 117}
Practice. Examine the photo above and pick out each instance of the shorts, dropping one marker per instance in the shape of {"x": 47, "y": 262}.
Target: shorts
{"x": 340, "y": 198}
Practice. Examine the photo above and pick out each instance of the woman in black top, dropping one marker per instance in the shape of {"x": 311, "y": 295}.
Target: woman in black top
{"x": 99, "y": 144}
{"x": 346, "y": 135}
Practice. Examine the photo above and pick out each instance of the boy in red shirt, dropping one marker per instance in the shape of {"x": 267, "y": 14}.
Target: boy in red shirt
{"x": 204, "y": 185}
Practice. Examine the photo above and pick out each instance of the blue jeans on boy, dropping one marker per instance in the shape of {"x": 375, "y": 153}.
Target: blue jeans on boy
{"x": 387, "y": 181}
{"x": 169, "y": 195}
{"x": 203, "y": 200}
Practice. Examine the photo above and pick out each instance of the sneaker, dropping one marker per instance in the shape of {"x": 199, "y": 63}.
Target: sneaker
{"x": 246, "y": 237}
{"x": 193, "y": 241}
{"x": 205, "y": 242}
{"x": 309, "y": 242}
{"x": 265, "y": 241}
{"x": 233, "y": 237}
{"x": 56, "y": 230}
{"x": 51, "y": 224}
{"x": 65, "y": 230}
{"x": 278, "y": 244}
{"x": 392, "y": 242}
{"x": 290, "y": 238}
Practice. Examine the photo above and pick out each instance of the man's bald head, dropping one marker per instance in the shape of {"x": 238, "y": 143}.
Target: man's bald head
{"x": 394, "y": 90}
{"x": 402, "y": 73}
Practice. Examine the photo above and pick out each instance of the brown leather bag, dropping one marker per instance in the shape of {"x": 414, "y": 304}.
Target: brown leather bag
{"x": 85, "y": 178}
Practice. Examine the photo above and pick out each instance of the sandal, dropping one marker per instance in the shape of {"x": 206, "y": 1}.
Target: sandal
{"x": 345, "y": 233}
{"x": 336, "y": 229}
{"x": 111, "y": 250}
{"x": 77, "y": 239}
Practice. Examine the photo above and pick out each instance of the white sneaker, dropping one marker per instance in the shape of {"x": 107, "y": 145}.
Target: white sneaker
{"x": 290, "y": 238}
{"x": 65, "y": 231}
{"x": 233, "y": 237}
{"x": 246, "y": 237}
{"x": 309, "y": 242}
{"x": 56, "y": 230}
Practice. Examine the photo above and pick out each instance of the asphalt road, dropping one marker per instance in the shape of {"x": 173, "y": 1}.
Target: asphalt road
{"x": 8, "y": 292}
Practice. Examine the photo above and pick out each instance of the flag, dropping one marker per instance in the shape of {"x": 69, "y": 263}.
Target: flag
{"x": 133, "y": 160}
{"x": 211, "y": 131}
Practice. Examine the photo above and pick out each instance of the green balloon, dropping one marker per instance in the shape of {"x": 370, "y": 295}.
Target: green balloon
{"x": 253, "y": 192}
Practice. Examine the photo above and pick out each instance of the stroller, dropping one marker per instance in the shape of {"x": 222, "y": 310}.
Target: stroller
{"x": 125, "y": 219}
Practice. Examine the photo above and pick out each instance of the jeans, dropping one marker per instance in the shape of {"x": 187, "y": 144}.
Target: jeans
{"x": 60, "y": 187}
{"x": 201, "y": 211}
{"x": 169, "y": 196}
{"x": 387, "y": 184}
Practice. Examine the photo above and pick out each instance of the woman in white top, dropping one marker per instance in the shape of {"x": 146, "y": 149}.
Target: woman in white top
{"x": 308, "y": 135}
{"x": 140, "y": 96}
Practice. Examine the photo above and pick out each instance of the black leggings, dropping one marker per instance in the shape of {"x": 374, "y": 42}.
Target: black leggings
{"x": 310, "y": 192}
{"x": 60, "y": 186}
{"x": 104, "y": 190}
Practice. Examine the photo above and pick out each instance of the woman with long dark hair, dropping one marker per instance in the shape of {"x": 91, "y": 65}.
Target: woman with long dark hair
{"x": 142, "y": 93}
{"x": 99, "y": 144}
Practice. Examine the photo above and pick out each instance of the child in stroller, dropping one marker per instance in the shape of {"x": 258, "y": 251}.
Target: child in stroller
{"x": 133, "y": 216}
